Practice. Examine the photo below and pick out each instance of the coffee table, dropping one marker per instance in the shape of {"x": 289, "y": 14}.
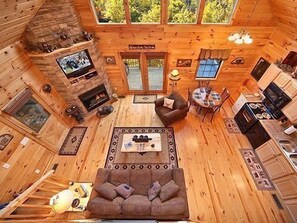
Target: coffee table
{"x": 129, "y": 146}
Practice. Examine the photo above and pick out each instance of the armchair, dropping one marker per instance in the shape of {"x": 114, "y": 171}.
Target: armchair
{"x": 178, "y": 112}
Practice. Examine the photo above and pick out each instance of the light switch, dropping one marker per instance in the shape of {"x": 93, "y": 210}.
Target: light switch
{"x": 6, "y": 165}
{"x": 24, "y": 141}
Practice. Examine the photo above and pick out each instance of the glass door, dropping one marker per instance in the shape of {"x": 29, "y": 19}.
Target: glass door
{"x": 144, "y": 72}
{"x": 155, "y": 71}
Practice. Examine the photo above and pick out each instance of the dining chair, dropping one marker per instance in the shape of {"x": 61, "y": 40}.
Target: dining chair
{"x": 212, "y": 110}
{"x": 203, "y": 84}
{"x": 191, "y": 101}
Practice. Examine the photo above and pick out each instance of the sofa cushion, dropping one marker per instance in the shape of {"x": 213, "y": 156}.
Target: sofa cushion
{"x": 136, "y": 205}
{"x": 168, "y": 103}
{"x": 102, "y": 206}
{"x": 140, "y": 180}
{"x": 106, "y": 190}
{"x": 124, "y": 190}
{"x": 118, "y": 177}
{"x": 163, "y": 176}
{"x": 169, "y": 191}
{"x": 179, "y": 101}
{"x": 173, "y": 206}
{"x": 154, "y": 191}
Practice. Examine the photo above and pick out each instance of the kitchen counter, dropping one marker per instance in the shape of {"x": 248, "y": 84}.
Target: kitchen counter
{"x": 276, "y": 132}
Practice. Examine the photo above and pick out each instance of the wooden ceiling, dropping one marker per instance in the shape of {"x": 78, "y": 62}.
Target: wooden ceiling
{"x": 16, "y": 14}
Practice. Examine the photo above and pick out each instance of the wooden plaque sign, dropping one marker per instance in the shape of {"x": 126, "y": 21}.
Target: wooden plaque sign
{"x": 142, "y": 47}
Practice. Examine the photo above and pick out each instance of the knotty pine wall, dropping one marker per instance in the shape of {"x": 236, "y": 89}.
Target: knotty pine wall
{"x": 185, "y": 42}
{"x": 17, "y": 72}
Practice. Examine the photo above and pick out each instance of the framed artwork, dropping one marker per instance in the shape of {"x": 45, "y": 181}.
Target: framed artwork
{"x": 238, "y": 60}
{"x": 110, "y": 60}
{"x": 184, "y": 62}
{"x": 5, "y": 140}
{"x": 260, "y": 68}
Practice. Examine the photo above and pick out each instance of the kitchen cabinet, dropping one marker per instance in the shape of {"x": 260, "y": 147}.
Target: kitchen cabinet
{"x": 291, "y": 88}
{"x": 287, "y": 186}
{"x": 277, "y": 167}
{"x": 267, "y": 151}
{"x": 242, "y": 99}
{"x": 291, "y": 206}
{"x": 269, "y": 75}
{"x": 282, "y": 79}
{"x": 290, "y": 110}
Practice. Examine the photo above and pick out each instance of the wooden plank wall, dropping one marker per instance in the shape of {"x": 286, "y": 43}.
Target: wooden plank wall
{"x": 14, "y": 18}
{"x": 185, "y": 42}
{"x": 17, "y": 72}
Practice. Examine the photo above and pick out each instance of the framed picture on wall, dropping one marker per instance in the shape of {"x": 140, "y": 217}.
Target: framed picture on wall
{"x": 184, "y": 62}
{"x": 260, "y": 68}
{"x": 110, "y": 60}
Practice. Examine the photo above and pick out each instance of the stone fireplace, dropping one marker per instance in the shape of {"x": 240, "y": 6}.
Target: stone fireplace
{"x": 94, "y": 97}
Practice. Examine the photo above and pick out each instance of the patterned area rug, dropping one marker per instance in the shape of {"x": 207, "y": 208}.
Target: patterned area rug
{"x": 256, "y": 169}
{"x": 144, "y": 98}
{"x": 231, "y": 125}
{"x": 72, "y": 141}
{"x": 166, "y": 159}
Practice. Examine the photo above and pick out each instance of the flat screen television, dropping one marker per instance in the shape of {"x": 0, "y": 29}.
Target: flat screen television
{"x": 76, "y": 64}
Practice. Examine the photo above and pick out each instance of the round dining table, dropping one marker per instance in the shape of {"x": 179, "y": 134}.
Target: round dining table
{"x": 199, "y": 95}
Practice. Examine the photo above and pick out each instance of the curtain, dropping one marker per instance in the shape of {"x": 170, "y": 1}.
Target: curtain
{"x": 18, "y": 102}
{"x": 221, "y": 54}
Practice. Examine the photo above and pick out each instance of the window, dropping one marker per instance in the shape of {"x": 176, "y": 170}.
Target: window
{"x": 145, "y": 11}
{"x": 182, "y": 11}
{"x": 218, "y": 11}
{"x": 109, "y": 11}
{"x": 208, "y": 68}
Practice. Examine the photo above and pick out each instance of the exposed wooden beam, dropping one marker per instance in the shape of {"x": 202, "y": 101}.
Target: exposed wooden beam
{"x": 200, "y": 12}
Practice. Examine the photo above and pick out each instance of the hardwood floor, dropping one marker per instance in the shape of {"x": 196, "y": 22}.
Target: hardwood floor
{"x": 219, "y": 186}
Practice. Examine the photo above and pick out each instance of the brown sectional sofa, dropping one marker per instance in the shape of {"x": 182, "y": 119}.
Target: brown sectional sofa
{"x": 137, "y": 206}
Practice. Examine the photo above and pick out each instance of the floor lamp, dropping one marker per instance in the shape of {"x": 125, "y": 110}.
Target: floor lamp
{"x": 174, "y": 77}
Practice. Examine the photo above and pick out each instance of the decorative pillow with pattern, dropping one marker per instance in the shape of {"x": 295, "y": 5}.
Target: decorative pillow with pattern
{"x": 124, "y": 190}
{"x": 168, "y": 103}
{"x": 154, "y": 191}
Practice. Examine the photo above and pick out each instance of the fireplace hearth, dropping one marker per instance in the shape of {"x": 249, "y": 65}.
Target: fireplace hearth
{"x": 94, "y": 97}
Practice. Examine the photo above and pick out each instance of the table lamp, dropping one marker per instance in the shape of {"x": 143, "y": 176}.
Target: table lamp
{"x": 174, "y": 77}
{"x": 61, "y": 201}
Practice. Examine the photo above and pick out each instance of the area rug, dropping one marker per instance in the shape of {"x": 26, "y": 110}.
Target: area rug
{"x": 166, "y": 159}
{"x": 144, "y": 98}
{"x": 231, "y": 125}
{"x": 256, "y": 169}
{"x": 72, "y": 141}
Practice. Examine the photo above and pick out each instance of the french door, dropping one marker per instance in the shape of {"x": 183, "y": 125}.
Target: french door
{"x": 144, "y": 72}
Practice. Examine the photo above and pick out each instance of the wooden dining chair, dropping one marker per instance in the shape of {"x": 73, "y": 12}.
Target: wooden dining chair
{"x": 212, "y": 110}
{"x": 203, "y": 84}
{"x": 191, "y": 101}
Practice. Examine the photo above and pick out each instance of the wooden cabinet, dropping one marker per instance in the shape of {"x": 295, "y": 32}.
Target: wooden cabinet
{"x": 282, "y": 79}
{"x": 277, "y": 167}
{"x": 290, "y": 110}
{"x": 268, "y": 150}
{"x": 269, "y": 75}
{"x": 291, "y": 88}
{"x": 287, "y": 186}
{"x": 291, "y": 206}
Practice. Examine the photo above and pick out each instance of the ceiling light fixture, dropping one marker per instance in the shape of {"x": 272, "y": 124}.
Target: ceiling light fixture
{"x": 243, "y": 36}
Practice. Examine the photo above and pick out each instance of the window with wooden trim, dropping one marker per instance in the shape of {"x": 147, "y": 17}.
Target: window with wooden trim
{"x": 183, "y": 11}
{"x": 151, "y": 11}
{"x": 208, "y": 69}
{"x": 218, "y": 11}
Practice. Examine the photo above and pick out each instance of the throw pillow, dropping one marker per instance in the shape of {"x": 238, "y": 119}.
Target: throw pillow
{"x": 124, "y": 190}
{"x": 169, "y": 191}
{"x": 168, "y": 103}
{"x": 107, "y": 191}
{"x": 154, "y": 191}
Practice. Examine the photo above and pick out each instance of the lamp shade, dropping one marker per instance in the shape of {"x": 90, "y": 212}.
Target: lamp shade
{"x": 62, "y": 201}
{"x": 174, "y": 73}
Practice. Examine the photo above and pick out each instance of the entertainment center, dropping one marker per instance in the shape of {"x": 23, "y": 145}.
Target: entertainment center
{"x": 78, "y": 74}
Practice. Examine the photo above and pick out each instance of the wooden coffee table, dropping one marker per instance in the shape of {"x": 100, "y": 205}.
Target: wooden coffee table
{"x": 129, "y": 146}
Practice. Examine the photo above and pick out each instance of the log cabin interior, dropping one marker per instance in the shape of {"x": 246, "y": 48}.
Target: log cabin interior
{"x": 71, "y": 72}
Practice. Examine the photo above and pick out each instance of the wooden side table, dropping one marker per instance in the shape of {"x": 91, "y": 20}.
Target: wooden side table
{"x": 81, "y": 192}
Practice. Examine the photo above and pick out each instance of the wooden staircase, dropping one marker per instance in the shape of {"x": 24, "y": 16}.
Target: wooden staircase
{"x": 33, "y": 203}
